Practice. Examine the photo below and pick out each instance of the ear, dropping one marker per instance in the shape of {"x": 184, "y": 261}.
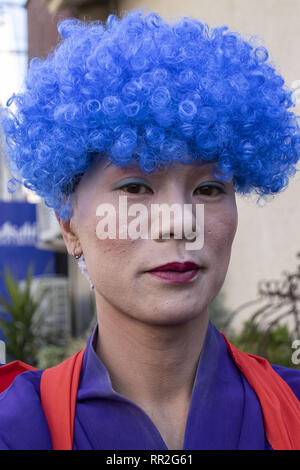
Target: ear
{"x": 70, "y": 236}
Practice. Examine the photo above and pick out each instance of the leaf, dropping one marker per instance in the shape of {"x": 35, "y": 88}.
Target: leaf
{"x": 28, "y": 283}
{"x": 13, "y": 290}
{"x": 7, "y": 307}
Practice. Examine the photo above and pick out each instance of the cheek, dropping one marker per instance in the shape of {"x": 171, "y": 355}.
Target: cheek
{"x": 220, "y": 231}
{"x": 118, "y": 252}
{"x": 106, "y": 258}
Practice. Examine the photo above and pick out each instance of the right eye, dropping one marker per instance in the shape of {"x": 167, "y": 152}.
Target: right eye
{"x": 133, "y": 188}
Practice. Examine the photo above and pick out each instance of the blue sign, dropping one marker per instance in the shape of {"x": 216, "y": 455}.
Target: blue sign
{"x": 18, "y": 237}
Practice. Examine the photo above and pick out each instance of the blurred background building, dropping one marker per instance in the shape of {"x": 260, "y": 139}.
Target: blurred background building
{"x": 268, "y": 237}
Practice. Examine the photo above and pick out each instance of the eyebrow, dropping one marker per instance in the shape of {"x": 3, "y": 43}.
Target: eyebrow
{"x": 134, "y": 167}
{"x": 123, "y": 171}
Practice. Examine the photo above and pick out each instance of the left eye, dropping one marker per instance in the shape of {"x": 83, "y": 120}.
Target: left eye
{"x": 210, "y": 190}
{"x": 134, "y": 188}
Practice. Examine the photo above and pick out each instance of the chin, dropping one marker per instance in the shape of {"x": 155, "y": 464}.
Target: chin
{"x": 173, "y": 316}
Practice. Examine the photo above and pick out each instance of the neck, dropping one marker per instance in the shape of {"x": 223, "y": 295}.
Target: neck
{"x": 150, "y": 363}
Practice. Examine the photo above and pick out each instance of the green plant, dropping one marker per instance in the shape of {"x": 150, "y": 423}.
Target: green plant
{"x": 264, "y": 333}
{"x": 277, "y": 345}
{"x": 21, "y": 329}
{"x": 51, "y": 355}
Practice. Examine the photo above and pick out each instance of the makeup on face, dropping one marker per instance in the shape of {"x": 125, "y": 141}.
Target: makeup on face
{"x": 140, "y": 182}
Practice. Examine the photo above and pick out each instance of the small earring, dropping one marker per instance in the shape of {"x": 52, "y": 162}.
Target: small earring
{"x": 76, "y": 256}
{"x": 83, "y": 268}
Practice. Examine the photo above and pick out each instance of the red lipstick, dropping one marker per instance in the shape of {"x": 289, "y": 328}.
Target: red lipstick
{"x": 181, "y": 267}
{"x": 176, "y": 272}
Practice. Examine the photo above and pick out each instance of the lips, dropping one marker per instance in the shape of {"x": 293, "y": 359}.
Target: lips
{"x": 179, "y": 267}
{"x": 178, "y": 273}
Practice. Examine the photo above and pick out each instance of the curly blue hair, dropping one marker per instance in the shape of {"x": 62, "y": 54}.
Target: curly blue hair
{"x": 141, "y": 89}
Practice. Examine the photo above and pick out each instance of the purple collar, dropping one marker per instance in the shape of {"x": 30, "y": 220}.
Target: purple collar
{"x": 224, "y": 410}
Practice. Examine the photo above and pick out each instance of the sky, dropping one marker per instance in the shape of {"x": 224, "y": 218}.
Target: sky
{"x": 13, "y": 47}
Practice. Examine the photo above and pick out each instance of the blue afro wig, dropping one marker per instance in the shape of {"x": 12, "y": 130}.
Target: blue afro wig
{"x": 141, "y": 89}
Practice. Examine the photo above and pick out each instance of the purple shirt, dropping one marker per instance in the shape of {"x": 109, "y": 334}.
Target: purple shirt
{"x": 224, "y": 412}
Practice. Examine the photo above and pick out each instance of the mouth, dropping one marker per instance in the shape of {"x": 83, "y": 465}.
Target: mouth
{"x": 176, "y": 272}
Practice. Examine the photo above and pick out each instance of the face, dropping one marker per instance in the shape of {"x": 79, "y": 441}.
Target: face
{"x": 119, "y": 268}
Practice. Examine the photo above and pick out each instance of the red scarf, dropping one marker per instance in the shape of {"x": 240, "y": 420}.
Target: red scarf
{"x": 59, "y": 384}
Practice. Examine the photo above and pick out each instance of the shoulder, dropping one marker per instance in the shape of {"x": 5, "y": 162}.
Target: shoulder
{"x": 23, "y": 423}
{"x": 290, "y": 376}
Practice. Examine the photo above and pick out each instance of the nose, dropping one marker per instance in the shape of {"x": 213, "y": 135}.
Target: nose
{"x": 174, "y": 216}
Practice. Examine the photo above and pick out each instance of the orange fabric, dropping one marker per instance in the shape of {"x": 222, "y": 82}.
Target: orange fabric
{"x": 59, "y": 386}
{"x": 9, "y": 372}
{"x": 280, "y": 406}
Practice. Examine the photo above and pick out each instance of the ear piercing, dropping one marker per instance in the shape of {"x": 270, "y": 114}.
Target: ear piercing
{"x": 82, "y": 266}
{"x": 76, "y": 256}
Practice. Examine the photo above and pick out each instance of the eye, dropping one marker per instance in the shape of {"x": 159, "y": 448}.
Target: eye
{"x": 210, "y": 189}
{"x": 134, "y": 188}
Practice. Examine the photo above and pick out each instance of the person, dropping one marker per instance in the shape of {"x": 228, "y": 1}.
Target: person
{"x": 156, "y": 113}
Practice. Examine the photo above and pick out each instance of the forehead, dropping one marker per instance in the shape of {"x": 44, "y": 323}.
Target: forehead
{"x": 107, "y": 168}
